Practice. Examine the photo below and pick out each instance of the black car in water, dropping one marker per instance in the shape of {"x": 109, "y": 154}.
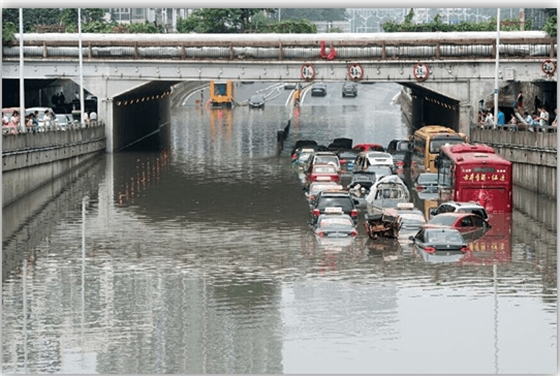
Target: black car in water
{"x": 327, "y": 201}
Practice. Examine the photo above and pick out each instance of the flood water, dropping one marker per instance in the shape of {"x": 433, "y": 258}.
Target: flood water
{"x": 198, "y": 259}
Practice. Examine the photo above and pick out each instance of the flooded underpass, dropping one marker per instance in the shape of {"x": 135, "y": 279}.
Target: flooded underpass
{"x": 198, "y": 259}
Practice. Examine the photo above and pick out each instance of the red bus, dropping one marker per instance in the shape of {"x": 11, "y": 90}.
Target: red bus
{"x": 475, "y": 173}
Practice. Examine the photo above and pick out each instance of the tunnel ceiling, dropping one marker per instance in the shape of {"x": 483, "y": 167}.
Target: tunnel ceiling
{"x": 150, "y": 88}
{"x": 429, "y": 93}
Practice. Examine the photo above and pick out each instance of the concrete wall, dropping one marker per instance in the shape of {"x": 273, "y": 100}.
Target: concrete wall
{"x": 32, "y": 159}
{"x": 533, "y": 156}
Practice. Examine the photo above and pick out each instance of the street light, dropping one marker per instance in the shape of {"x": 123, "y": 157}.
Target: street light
{"x": 21, "y": 84}
{"x": 81, "y": 67}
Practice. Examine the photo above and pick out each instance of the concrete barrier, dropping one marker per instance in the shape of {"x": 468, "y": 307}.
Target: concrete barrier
{"x": 534, "y": 156}
{"x": 30, "y": 160}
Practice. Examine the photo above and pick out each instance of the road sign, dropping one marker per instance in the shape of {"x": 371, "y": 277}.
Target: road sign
{"x": 548, "y": 67}
{"x": 355, "y": 72}
{"x": 307, "y": 72}
{"x": 421, "y": 71}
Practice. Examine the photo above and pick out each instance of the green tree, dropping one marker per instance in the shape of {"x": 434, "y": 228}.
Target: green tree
{"x": 218, "y": 20}
{"x": 551, "y": 26}
{"x": 145, "y": 28}
{"x": 32, "y": 17}
{"x": 69, "y": 16}
{"x": 313, "y": 14}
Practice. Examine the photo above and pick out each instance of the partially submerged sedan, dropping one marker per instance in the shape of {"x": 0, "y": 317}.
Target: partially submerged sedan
{"x": 439, "y": 244}
{"x": 314, "y": 188}
{"x": 334, "y": 224}
{"x": 472, "y": 226}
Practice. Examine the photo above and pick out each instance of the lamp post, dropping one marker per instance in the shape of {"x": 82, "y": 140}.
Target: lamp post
{"x": 81, "y": 67}
{"x": 497, "y": 70}
{"x": 21, "y": 84}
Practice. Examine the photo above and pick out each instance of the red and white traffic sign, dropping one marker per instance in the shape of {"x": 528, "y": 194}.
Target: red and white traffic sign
{"x": 548, "y": 67}
{"x": 421, "y": 71}
{"x": 307, "y": 72}
{"x": 355, "y": 72}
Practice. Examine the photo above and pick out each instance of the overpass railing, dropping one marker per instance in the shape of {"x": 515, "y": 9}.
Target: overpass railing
{"x": 380, "y": 46}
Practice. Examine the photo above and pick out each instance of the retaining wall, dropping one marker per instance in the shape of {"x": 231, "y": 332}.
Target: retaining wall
{"x": 30, "y": 160}
{"x": 533, "y": 156}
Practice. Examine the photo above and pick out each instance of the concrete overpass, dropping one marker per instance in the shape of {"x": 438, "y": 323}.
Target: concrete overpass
{"x": 134, "y": 73}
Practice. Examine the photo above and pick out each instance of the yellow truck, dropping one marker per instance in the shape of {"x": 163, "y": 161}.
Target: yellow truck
{"x": 221, "y": 93}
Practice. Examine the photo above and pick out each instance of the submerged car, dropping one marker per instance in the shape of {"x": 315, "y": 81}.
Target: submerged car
{"x": 319, "y": 89}
{"x": 439, "y": 244}
{"x": 313, "y": 189}
{"x": 347, "y": 159}
{"x": 472, "y": 226}
{"x": 460, "y": 207}
{"x": 256, "y": 101}
{"x": 349, "y": 89}
{"x": 367, "y": 147}
{"x": 326, "y": 200}
{"x": 334, "y": 224}
{"x": 412, "y": 219}
{"x": 426, "y": 185}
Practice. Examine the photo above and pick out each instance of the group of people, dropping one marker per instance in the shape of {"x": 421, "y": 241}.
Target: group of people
{"x": 11, "y": 123}
{"x": 31, "y": 121}
{"x": 539, "y": 118}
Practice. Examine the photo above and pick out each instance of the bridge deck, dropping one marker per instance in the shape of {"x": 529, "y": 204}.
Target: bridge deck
{"x": 378, "y": 46}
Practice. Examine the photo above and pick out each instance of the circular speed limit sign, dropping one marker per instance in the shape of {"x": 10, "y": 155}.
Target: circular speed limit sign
{"x": 307, "y": 72}
{"x": 421, "y": 71}
{"x": 355, "y": 72}
{"x": 548, "y": 67}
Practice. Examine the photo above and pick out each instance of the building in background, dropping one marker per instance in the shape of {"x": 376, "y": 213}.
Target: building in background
{"x": 161, "y": 16}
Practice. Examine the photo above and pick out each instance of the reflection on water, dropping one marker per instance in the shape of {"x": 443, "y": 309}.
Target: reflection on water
{"x": 198, "y": 259}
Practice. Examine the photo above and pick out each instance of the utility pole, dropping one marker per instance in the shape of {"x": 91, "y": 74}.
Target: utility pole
{"x": 21, "y": 83}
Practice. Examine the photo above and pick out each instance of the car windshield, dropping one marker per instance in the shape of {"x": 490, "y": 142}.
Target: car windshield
{"x": 444, "y": 237}
{"x": 427, "y": 178}
{"x": 335, "y": 221}
{"x": 479, "y": 212}
{"x": 443, "y": 220}
{"x": 324, "y": 159}
{"x": 436, "y": 144}
{"x": 348, "y": 156}
{"x": 380, "y": 170}
{"x": 402, "y": 146}
{"x": 412, "y": 217}
{"x": 314, "y": 188}
{"x": 342, "y": 202}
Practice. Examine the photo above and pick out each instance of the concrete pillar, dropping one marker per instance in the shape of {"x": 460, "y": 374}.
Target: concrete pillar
{"x": 468, "y": 112}
{"x": 105, "y": 107}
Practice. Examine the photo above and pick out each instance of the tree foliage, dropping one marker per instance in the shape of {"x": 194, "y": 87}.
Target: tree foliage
{"x": 551, "y": 26}
{"x": 289, "y": 27}
{"x": 218, "y": 20}
{"x": 313, "y": 14}
{"x": 438, "y": 25}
